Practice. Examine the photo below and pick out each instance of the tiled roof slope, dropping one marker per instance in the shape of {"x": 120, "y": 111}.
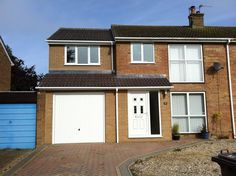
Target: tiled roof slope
{"x": 142, "y": 31}
{"x": 173, "y": 31}
{"x": 82, "y": 34}
{"x": 101, "y": 80}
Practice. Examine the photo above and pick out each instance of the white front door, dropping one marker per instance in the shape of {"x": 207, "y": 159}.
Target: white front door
{"x": 139, "y": 116}
{"x": 78, "y": 118}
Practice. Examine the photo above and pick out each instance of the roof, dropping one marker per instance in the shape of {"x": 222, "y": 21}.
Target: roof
{"x": 90, "y": 34}
{"x": 102, "y": 80}
{"x": 173, "y": 31}
{"x": 5, "y": 50}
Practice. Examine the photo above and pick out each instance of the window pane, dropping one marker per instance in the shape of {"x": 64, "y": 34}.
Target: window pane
{"x": 194, "y": 71}
{"x": 136, "y": 52}
{"x": 82, "y": 55}
{"x": 177, "y": 71}
{"x": 94, "y": 55}
{"x": 183, "y": 123}
{"x": 196, "y": 124}
{"x": 179, "y": 104}
{"x": 196, "y": 104}
{"x": 148, "y": 52}
{"x": 193, "y": 52}
{"x": 176, "y": 52}
{"x": 70, "y": 54}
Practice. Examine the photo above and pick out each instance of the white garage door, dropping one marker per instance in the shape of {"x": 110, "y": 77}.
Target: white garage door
{"x": 78, "y": 118}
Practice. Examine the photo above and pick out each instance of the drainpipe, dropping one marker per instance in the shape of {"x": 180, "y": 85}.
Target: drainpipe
{"x": 112, "y": 64}
{"x": 117, "y": 117}
{"x": 230, "y": 87}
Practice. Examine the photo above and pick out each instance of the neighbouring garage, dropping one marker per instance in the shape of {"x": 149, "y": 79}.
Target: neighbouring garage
{"x": 18, "y": 120}
{"x": 78, "y": 117}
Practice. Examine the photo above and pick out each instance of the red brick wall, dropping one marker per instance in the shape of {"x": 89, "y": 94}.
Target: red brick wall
{"x": 215, "y": 85}
{"x": 233, "y": 74}
{"x": 5, "y": 71}
{"x": 124, "y": 65}
{"x": 56, "y": 59}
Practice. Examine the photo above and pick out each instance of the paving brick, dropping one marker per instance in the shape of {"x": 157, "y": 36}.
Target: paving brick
{"x": 89, "y": 159}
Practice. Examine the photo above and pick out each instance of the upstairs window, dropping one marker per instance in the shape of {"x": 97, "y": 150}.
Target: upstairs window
{"x": 82, "y": 55}
{"x": 185, "y": 63}
{"x": 142, "y": 53}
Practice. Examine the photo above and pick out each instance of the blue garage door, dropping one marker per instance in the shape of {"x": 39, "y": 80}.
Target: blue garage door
{"x": 17, "y": 126}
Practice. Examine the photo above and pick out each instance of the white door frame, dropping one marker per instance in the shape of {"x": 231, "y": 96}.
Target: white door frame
{"x": 78, "y": 93}
{"x": 148, "y": 106}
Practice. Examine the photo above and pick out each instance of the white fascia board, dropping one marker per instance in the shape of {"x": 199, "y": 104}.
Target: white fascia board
{"x": 173, "y": 39}
{"x": 80, "y": 42}
{"x": 103, "y": 88}
{"x": 12, "y": 64}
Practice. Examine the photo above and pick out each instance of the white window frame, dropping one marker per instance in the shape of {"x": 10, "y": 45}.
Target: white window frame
{"x": 142, "y": 59}
{"x": 76, "y": 55}
{"x": 188, "y": 110}
{"x": 185, "y": 63}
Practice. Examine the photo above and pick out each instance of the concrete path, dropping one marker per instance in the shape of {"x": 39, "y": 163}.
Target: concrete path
{"x": 89, "y": 159}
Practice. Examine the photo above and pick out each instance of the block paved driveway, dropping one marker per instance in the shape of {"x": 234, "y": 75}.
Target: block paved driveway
{"x": 89, "y": 159}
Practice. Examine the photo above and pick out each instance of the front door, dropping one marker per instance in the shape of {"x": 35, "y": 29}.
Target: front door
{"x": 139, "y": 115}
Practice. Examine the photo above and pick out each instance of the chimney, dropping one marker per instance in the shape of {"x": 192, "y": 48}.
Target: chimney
{"x": 196, "y": 19}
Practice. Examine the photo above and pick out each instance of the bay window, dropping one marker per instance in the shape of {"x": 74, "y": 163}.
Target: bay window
{"x": 186, "y": 63}
{"x": 82, "y": 55}
{"x": 188, "y": 110}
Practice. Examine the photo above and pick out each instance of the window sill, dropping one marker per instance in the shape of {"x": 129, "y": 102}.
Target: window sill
{"x": 82, "y": 64}
{"x": 149, "y": 136}
{"x": 187, "y": 82}
{"x": 189, "y": 133}
{"x": 142, "y": 62}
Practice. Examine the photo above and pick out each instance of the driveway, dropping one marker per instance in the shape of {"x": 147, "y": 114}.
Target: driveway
{"x": 89, "y": 159}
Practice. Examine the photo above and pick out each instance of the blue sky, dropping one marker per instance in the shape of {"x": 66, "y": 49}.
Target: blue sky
{"x": 25, "y": 24}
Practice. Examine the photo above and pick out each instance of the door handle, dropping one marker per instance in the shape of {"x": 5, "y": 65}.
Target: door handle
{"x": 79, "y": 129}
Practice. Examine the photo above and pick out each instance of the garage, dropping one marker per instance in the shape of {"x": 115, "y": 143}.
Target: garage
{"x": 78, "y": 118}
{"x": 17, "y": 120}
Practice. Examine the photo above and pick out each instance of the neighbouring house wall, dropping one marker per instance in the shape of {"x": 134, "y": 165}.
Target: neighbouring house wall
{"x": 56, "y": 60}
{"x": 44, "y": 117}
{"x": 124, "y": 65}
{"x": 233, "y": 75}
{"x": 123, "y": 119}
{"x": 5, "y": 71}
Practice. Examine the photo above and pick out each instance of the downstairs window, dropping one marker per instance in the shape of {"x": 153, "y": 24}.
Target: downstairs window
{"x": 188, "y": 110}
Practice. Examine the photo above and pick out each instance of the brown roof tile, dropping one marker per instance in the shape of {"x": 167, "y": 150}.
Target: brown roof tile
{"x": 102, "y": 80}
{"x": 82, "y": 34}
{"x": 173, "y": 31}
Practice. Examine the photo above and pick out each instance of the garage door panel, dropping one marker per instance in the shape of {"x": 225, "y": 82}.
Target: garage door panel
{"x": 17, "y": 125}
{"x": 79, "y": 118}
{"x": 16, "y": 128}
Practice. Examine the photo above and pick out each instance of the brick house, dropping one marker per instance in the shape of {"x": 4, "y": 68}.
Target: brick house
{"x": 132, "y": 83}
{"x": 5, "y": 68}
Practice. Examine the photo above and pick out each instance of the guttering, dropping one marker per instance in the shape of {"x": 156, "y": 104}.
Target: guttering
{"x": 104, "y": 88}
{"x": 117, "y": 116}
{"x": 173, "y": 39}
{"x": 230, "y": 87}
{"x": 80, "y": 42}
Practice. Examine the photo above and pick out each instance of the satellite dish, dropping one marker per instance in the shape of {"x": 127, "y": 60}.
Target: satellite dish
{"x": 217, "y": 66}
